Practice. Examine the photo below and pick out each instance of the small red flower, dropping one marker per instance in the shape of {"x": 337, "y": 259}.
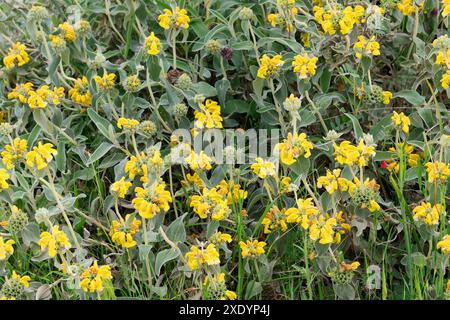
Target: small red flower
{"x": 383, "y": 164}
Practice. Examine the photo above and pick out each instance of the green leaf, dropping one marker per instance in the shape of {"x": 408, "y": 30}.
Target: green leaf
{"x": 205, "y": 89}
{"x": 101, "y": 150}
{"x": 356, "y": 126}
{"x": 176, "y": 230}
{"x": 102, "y": 124}
{"x": 61, "y": 156}
{"x": 411, "y": 96}
{"x": 163, "y": 257}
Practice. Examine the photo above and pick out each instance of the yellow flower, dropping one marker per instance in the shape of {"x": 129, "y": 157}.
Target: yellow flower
{"x": 269, "y": 66}
{"x": 401, "y": 121}
{"x": 22, "y": 279}
{"x": 152, "y": 44}
{"x": 169, "y": 20}
{"x": 336, "y": 18}
{"x": 304, "y": 65}
{"x": 121, "y": 187}
{"x": 274, "y": 19}
{"x": 437, "y": 171}
{"x": 303, "y": 213}
{"x": 444, "y": 244}
{"x": 274, "y": 220}
{"x": 80, "y": 92}
{"x": 150, "y": 201}
{"x": 6, "y": 248}
{"x": 106, "y": 82}
{"x": 263, "y": 168}
{"x": 387, "y": 96}
{"x": 40, "y": 156}
{"x": 4, "y": 176}
{"x": 305, "y": 39}
{"x": 198, "y": 161}
{"x": 137, "y": 166}
{"x": 348, "y": 154}
{"x": 445, "y": 81}
{"x": 193, "y": 179}
{"x": 210, "y": 204}
{"x": 446, "y": 8}
{"x": 322, "y": 228}
{"x": 209, "y": 116}
{"x": 20, "y": 92}
{"x": 293, "y": 147}
{"x": 346, "y": 267}
{"x": 333, "y": 182}
{"x": 197, "y": 257}
{"x": 366, "y": 47}
{"x": 216, "y": 284}
{"x": 55, "y": 241}
{"x": 17, "y": 56}
{"x": 127, "y": 124}
{"x": 252, "y": 249}
{"x": 220, "y": 237}
{"x": 94, "y": 278}
{"x": 427, "y": 213}
{"x": 407, "y": 7}
{"x": 68, "y": 32}
{"x": 122, "y": 232}
{"x": 232, "y": 191}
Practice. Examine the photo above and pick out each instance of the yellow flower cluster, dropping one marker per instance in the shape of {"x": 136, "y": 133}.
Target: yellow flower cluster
{"x": 106, "y": 82}
{"x": 427, "y": 213}
{"x": 263, "y": 168}
{"x": 412, "y": 158}
{"x": 408, "y": 7}
{"x": 366, "y": 47}
{"x": 121, "y": 187}
{"x": 14, "y": 152}
{"x": 275, "y": 219}
{"x": 68, "y": 32}
{"x": 150, "y": 201}
{"x": 17, "y": 56}
{"x": 199, "y": 256}
{"x": 252, "y": 249}
{"x": 152, "y": 44}
{"x": 437, "y": 171}
{"x": 80, "y": 92}
{"x": 6, "y": 248}
{"x": 40, "y": 156}
{"x": 20, "y": 92}
{"x": 444, "y": 244}
{"x": 216, "y": 283}
{"x": 39, "y": 98}
{"x": 55, "y": 241}
{"x": 304, "y": 65}
{"x": 170, "y": 19}
{"x": 199, "y": 161}
{"x": 210, "y": 204}
{"x": 401, "y": 121}
{"x": 446, "y": 8}
{"x": 4, "y": 176}
{"x": 333, "y": 18}
{"x": 93, "y": 278}
{"x": 220, "y": 237}
{"x": 285, "y": 16}
{"x": 348, "y": 154}
{"x": 137, "y": 166}
{"x": 232, "y": 191}
{"x": 122, "y": 232}
{"x": 127, "y": 124}
{"x": 269, "y": 67}
{"x": 209, "y": 116}
{"x": 333, "y": 182}
{"x": 24, "y": 280}
{"x": 295, "y": 146}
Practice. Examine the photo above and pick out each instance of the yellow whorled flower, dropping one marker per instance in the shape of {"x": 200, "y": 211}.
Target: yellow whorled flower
{"x": 80, "y": 92}
{"x": 152, "y": 44}
{"x": 333, "y": 182}
{"x": 263, "y": 168}
{"x": 364, "y": 47}
{"x": 55, "y": 241}
{"x": 152, "y": 200}
{"x": 304, "y": 66}
{"x": 199, "y": 256}
{"x": 408, "y": 7}
{"x": 127, "y": 124}
{"x": 199, "y": 161}
{"x": 413, "y": 158}
{"x": 17, "y": 56}
{"x": 445, "y": 81}
{"x": 322, "y": 229}
{"x": 270, "y": 66}
{"x": 106, "y": 82}
{"x": 252, "y": 249}
{"x": 220, "y": 237}
{"x": 303, "y": 213}
{"x": 122, "y": 232}
{"x": 437, "y": 171}
{"x": 68, "y": 32}
{"x": 24, "y": 280}
{"x": 295, "y": 146}
{"x": 387, "y": 97}
{"x": 137, "y": 166}
{"x": 274, "y": 220}
{"x": 305, "y": 39}
{"x": 348, "y": 154}
{"x": 21, "y": 92}
{"x": 210, "y": 204}
{"x": 401, "y": 121}
{"x": 232, "y": 191}
{"x": 209, "y": 116}
{"x": 43, "y": 96}
{"x": 4, "y": 176}
{"x": 169, "y": 20}
{"x": 446, "y": 8}
{"x": 193, "y": 179}
{"x": 444, "y": 244}
{"x": 338, "y": 18}
{"x": 217, "y": 288}
{"x": 40, "y": 156}
{"x": 6, "y": 248}
{"x": 93, "y": 278}
{"x": 427, "y": 213}
{"x": 345, "y": 267}
{"x": 121, "y": 187}
{"x": 14, "y": 152}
